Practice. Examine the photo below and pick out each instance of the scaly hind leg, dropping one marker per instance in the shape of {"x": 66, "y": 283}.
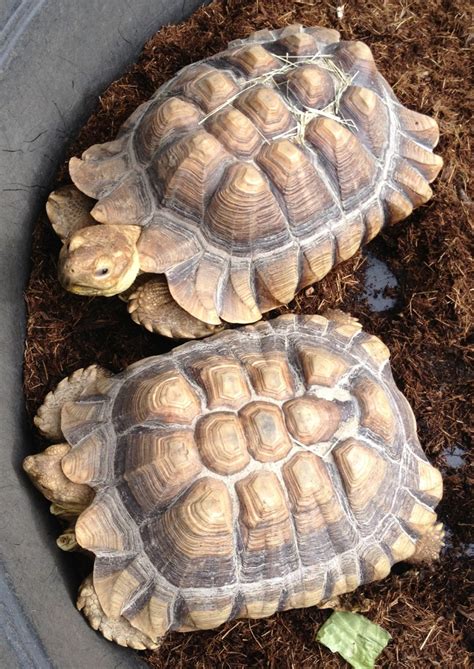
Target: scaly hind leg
{"x": 153, "y": 306}
{"x": 119, "y": 630}
{"x": 428, "y": 547}
{"x": 69, "y": 210}
{"x": 48, "y": 417}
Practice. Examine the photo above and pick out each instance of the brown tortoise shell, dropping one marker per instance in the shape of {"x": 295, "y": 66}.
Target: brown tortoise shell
{"x": 255, "y": 171}
{"x": 262, "y": 469}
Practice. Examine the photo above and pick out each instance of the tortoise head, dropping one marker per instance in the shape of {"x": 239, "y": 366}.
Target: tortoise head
{"x": 46, "y": 472}
{"x": 100, "y": 260}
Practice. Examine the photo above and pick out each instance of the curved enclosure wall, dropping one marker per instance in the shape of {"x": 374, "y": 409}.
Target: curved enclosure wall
{"x": 55, "y": 59}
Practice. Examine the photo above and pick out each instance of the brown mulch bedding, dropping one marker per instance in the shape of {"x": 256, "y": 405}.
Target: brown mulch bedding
{"x": 422, "y": 49}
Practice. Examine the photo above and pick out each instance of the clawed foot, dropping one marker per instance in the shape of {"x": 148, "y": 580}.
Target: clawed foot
{"x": 48, "y": 418}
{"x": 153, "y": 306}
{"x": 120, "y": 630}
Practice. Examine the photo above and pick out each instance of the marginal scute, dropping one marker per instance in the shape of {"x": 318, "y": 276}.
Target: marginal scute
{"x": 270, "y": 375}
{"x": 167, "y": 397}
{"x": 106, "y": 150}
{"x": 349, "y": 580}
{"x": 376, "y": 410}
{"x": 397, "y": 204}
{"x": 313, "y": 499}
{"x": 89, "y": 462}
{"x": 426, "y": 162}
{"x": 154, "y": 618}
{"x": 158, "y": 466}
{"x": 78, "y": 419}
{"x": 357, "y": 57}
{"x": 376, "y": 563}
{"x": 267, "y": 437}
{"x": 402, "y": 548}
{"x": 350, "y": 165}
{"x": 117, "y": 589}
{"x": 161, "y": 247}
{"x": 318, "y": 323}
{"x": 412, "y": 183}
{"x": 299, "y": 44}
{"x": 375, "y": 349}
{"x": 343, "y": 325}
{"x": 311, "y": 420}
{"x": 254, "y": 60}
{"x": 368, "y": 113}
{"x": 362, "y": 471}
{"x": 312, "y": 85}
{"x": 128, "y": 204}
{"x": 244, "y": 208}
{"x": 106, "y": 526}
{"x": 374, "y": 219}
{"x": 431, "y": 481}
{"x": 423, "y": 129}
{"x": 420, "y": 517}
{"x": 319, "y": 256}
{"x": 224, "y": 382}
{"x": 236, "y": 297}
{"x": 303, "y": 190}
{"x": 260, "y": 606}
{"x": 266, "y": 110}
{"x": 194, "y": 284}
{"x": 310, "y": 595}
{"x": 160, "y": 122}
{"x": 235, "y": 131}
{"x": 222, "y": 444}
{"x": 324, "y": 35}
{"x": 96, "y": 176}
{"x": 321, "y": 367}
{"x": 277, "y": 277}
{"x": 264, "y": 513}
{"x": 188, "y": 169}
{"x": 349, "y": 238}
{"x": 206, "y": 615}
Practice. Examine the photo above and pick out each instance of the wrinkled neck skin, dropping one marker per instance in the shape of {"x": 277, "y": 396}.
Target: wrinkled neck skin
{"x": 100, "y": 260}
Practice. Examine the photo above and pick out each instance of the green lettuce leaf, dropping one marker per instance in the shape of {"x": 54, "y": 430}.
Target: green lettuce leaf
{"x": 359, "y": 641}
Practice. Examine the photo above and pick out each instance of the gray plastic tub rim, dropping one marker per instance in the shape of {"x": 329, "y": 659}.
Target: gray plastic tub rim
{"x": 56, "y": 57}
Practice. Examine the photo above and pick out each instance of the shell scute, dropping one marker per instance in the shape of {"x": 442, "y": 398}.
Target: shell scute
{"x": 311, "y": 419}
{"x": 312, "y": 85}
{"x": 160, "y": 122}
{"x": 187, "y": 169}
{"x": 158, "y": 467}
{"x": 270, "y": 375}
{"x": 254, "y": 60}
{"x": 376, "y": 409}
{"x": 224, "y": 382}
{"x": 222, "y": 443}
{"x": 268, "y": 440}
{"x": 305, "y": 194}
{"x": 236, "y": 132}
{"x": 265, "y": 108}
{"x": 290, "y": 137}
{"x": 350, "y": 166}
{"x": 298, "y": 44}
{"x": 167, "y": 397}
{"x": 244, "y": 208}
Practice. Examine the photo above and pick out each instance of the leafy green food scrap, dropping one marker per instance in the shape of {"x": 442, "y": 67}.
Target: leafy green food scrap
{"x": 353, "y": 636}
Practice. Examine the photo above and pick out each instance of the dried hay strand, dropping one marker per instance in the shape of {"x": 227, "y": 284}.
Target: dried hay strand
{"x": 422, "y": 50}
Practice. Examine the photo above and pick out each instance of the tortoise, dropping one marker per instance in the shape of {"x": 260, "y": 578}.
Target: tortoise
{"x": 267, "y": 468}
{"x": 244, "y": 179}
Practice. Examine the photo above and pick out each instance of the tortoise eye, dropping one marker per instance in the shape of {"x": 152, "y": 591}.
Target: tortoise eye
{"x": 102, "y": 271}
